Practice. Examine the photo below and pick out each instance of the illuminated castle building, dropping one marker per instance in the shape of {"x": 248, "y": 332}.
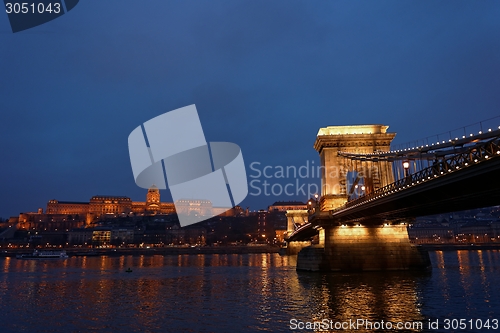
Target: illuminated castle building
{"x": 71, "y": 214}
{"x": 65, "y": 215}
{"x": 100, "y": 205}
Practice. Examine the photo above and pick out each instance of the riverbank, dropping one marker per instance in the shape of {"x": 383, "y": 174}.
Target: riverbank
{"x": 457, "y": 247}
{"x": 74, "y": 252}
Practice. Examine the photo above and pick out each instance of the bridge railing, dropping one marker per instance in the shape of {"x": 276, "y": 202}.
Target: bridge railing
{"x": 475, "y": 154}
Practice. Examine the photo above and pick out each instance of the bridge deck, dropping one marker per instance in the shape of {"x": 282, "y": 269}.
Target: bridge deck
{"x": 467, "y": 181}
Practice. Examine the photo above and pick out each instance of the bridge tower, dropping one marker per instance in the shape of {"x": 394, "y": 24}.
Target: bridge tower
{"x": 360, "y": 139}
{"x": 295, "y": 219}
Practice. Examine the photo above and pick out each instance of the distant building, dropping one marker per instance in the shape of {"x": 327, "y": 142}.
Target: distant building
{"x": 437, "y": 233}
{"x": 480, "y": 231}
{"x": 468, "y": 230}
{"x": 112, "y": 236}
{"x": 50, "y": 222}
{"x": 280, "y": 235}
{"x": 194, "y": 207}
{"x": 265, "y": 227}
{"x": 80, "y": 236}
{"x": 100, "y": 205}
{"x": 101, "y": 237}
{"x": 66, "y": 215}
{"x": 73, "y": 215}
{"x": 283, "y": 206}
{"x": 153, "y": 205}
{"x": 67, "y": 207}
{"x": 495, "y": 228}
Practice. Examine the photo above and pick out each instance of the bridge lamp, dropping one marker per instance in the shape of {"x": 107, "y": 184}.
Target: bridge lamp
{"x": 406, "y": 166}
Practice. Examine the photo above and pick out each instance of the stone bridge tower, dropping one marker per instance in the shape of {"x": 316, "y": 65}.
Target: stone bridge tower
{"x": 358, "y": 139}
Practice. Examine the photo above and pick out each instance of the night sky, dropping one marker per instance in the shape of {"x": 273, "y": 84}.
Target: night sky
{"x": 265, "y": 75}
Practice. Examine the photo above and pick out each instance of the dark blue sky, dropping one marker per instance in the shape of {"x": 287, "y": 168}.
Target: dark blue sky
{"x": 263, "y": 74}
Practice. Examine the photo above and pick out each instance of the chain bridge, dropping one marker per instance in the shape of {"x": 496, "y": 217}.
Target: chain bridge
{"x": 371, "y": 193}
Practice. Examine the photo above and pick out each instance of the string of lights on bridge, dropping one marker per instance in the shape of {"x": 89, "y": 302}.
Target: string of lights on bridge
{"x": 475, "y": 154}
{"x": 461, "y": 132}
{"x": 429, "y": 150}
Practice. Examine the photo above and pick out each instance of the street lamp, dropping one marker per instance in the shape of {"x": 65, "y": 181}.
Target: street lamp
{"x": 406, "y": 166}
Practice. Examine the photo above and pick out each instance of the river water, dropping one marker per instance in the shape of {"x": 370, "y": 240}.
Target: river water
{"x": 245, "y": 293}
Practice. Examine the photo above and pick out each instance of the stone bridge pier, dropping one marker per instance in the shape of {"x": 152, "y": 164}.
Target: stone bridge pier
{"x": 363, "y": 248}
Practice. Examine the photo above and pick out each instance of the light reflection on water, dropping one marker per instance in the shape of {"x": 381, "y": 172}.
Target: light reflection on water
{"x": 234, "y": 293}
